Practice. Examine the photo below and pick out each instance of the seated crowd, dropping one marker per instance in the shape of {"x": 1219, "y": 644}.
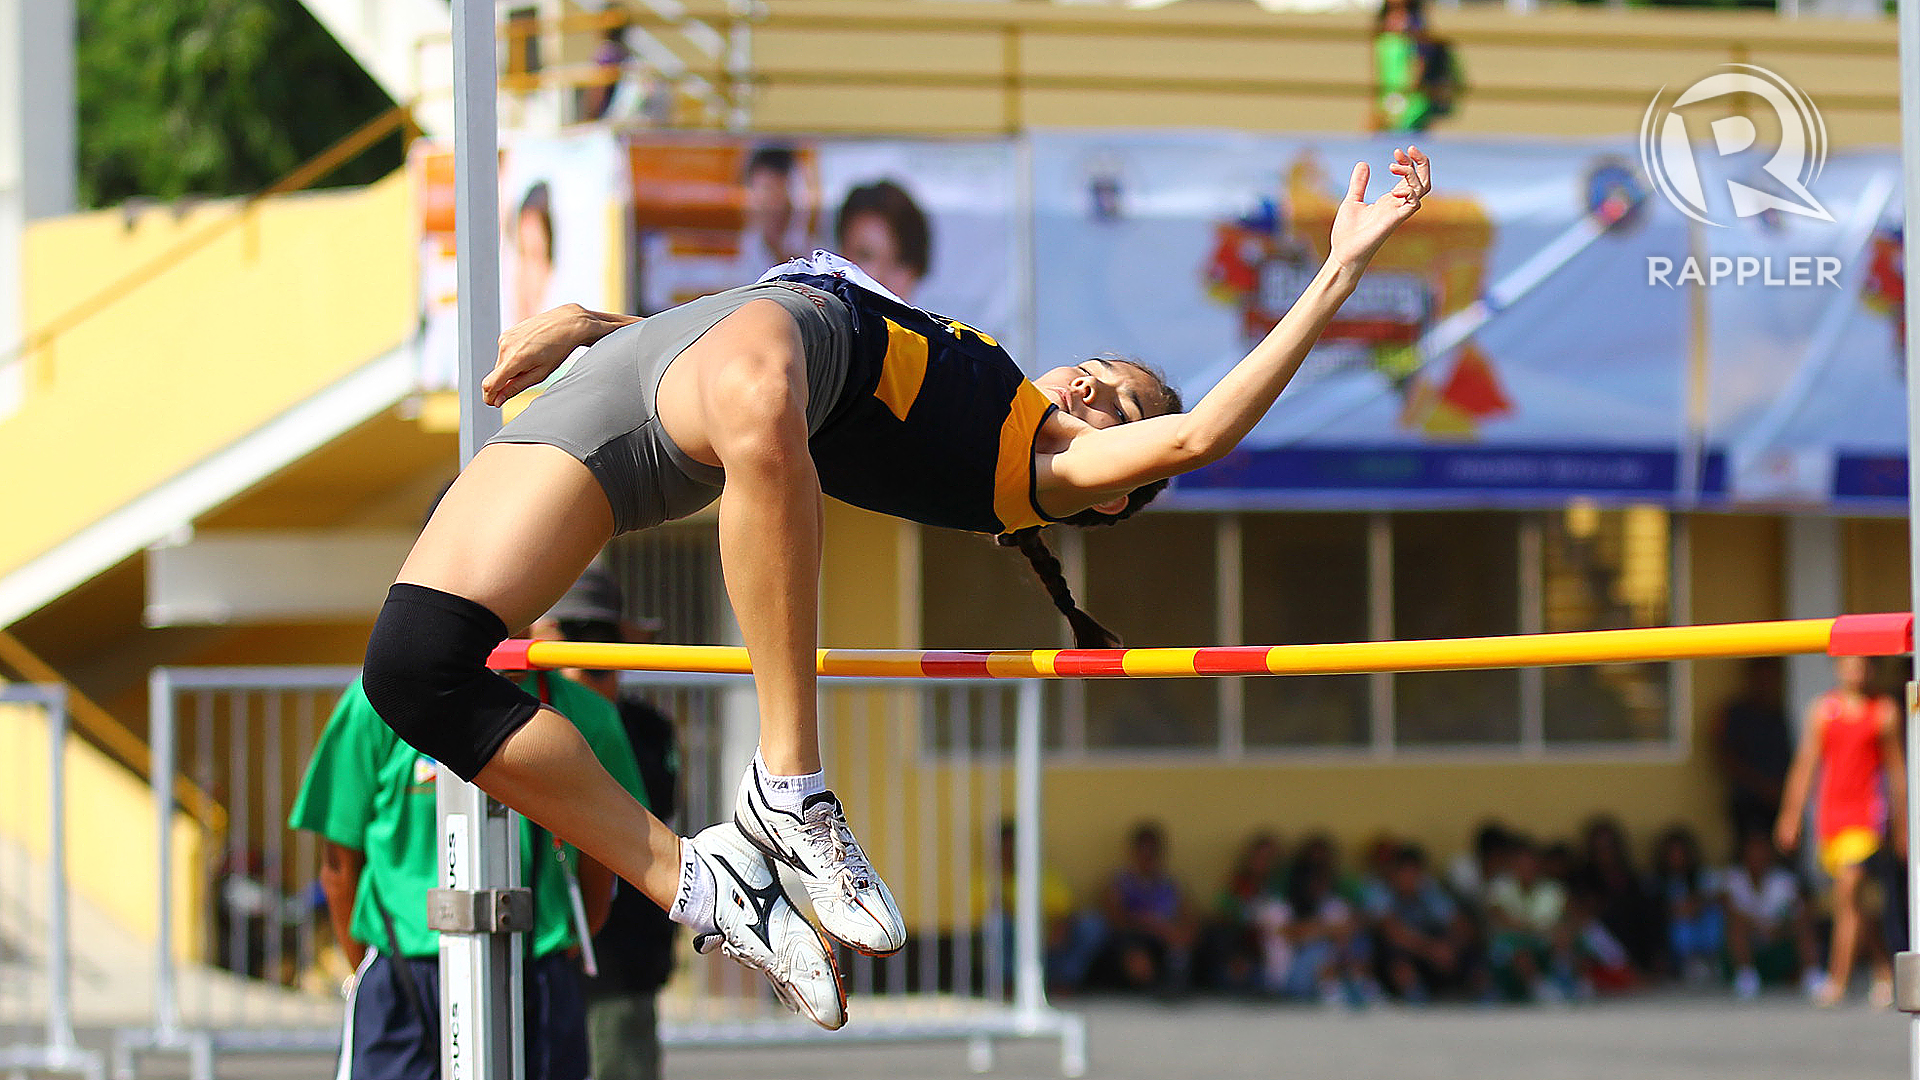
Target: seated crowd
{"x": 1512, "y": 919}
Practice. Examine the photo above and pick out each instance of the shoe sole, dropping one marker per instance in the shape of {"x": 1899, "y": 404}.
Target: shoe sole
{"x": 787, "y": 862}
{"x": 799, "y": 1004}
{"x": 794, "y": 1000}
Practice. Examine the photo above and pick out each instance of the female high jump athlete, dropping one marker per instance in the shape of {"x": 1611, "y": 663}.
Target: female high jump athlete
{"x": 764, "y": 397}
{"x": 1851, "y": 737}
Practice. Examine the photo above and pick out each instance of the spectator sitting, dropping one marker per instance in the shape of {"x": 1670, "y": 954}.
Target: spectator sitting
{"x": 1150, "y": 930}
{"x": 1617, "y": 896}
{"x": 1753, "y": 745}
{"x": 1320, "y": 848}
{"x": 1382, "y": 850}
{"x": 995, "y": 903}
{"x": 1532, "y": 947}
{"x": 1425, "y": 941}
{"x": 1690, "y": 895}
{"x": 1769, "y": 929}
{"x": 1231, "y": 942}
{"x": 1314, "y": 945}
{"x": 1474, "y": 871}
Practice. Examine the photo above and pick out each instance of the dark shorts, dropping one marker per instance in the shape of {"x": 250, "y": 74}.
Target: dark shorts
{"x": 388, "y": 1037}
{"x": 602, "y": 410}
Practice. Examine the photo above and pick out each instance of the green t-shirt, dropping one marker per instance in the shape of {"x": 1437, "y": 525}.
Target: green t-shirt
{"x": 367, "y": 790}
{"x": 1403, "y": 104}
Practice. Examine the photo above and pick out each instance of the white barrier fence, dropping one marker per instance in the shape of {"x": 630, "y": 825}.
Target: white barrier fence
{"x": 929, "y": 773}
{"x": 35, "y": 900}
{"x": 241, "y": 980}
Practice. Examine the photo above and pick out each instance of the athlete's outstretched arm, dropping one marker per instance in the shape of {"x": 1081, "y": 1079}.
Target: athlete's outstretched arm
{"x": 1105, "y": 462}
{"x": 534, "y": 347}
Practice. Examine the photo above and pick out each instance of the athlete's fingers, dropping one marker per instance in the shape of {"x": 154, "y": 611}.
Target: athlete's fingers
{"x": 1357, "y": 185}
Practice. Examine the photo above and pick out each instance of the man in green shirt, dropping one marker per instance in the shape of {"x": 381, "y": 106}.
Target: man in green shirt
{"x": 371, "y": 797}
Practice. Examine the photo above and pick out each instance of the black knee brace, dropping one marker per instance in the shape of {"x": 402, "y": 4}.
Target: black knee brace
{"x": 426, "y": 676}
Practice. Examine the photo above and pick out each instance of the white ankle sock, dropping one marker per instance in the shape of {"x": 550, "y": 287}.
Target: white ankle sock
{"x": 787, "y": 792}
{"x": 693, "y": 904}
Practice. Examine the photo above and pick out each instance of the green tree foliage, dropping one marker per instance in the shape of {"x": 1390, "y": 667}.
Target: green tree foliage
{"x": 213, "y": 97}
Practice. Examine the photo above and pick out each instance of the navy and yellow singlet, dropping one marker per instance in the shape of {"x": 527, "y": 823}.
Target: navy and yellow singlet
{"x": 935, "y": 423}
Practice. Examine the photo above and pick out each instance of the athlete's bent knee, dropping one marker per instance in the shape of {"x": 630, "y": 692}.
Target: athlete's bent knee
{"x": 426, "y": 676}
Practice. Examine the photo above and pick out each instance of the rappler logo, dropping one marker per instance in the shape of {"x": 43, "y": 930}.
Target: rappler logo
{"x": 1668, "y": 154}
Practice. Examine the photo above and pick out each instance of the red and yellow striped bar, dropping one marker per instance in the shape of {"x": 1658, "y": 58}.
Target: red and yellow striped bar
{"x": 1847, "y": 635}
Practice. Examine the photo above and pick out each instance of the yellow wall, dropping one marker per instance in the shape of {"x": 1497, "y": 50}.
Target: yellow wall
{"x": 1874, "y": 555}
{"x": 112, "y": 850}
{"x": 861, "y": 581}
{"x": 309, "y": 288}
{"x": 837, "y": 65}
{"x": 1209, "y": 807}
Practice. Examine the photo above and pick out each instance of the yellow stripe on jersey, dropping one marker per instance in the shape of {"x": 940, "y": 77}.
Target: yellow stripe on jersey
{"x": 954, "y": 326}
{"x": 1013, "y": 471}
{"x": 903, "y": 370}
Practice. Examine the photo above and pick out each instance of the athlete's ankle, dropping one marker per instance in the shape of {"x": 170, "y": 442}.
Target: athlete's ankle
{"x": 787, "y": 792}
{"x": 692, "y": 905}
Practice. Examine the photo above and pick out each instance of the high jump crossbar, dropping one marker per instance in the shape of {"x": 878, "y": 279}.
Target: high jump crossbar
{"x": 1889, "y": 634}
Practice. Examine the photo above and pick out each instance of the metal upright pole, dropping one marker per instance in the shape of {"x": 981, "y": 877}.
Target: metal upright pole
{"x": 1029, "y": 985}
{"x": 59, "y": 971}
{"x": 166, "y": 987}
{"x": 479, "y": 910}
{"x": 1907, "y": 983}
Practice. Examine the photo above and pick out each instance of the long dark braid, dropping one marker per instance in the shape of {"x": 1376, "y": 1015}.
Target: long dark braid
{"x": 1087, "y": 631}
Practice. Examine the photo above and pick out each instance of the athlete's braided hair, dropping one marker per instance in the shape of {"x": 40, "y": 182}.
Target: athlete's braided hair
{"x": 1087, "y": 631}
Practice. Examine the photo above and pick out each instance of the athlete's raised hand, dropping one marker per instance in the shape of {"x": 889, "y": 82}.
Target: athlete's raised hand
{"x": 1360, "y": 227}
{"x": 534, "y": 347}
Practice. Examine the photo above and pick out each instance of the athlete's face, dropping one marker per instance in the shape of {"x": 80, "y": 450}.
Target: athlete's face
{"x": 1850, "y": 672}
{"x": 1099, "y": 393}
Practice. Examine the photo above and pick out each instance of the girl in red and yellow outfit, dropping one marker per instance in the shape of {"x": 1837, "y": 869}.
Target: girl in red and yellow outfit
{"x": 1851, "y": 735}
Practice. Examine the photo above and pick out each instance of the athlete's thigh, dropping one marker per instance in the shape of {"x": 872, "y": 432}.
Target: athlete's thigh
{"x": 694, "y": 395}
{"x": 514, "y": 531}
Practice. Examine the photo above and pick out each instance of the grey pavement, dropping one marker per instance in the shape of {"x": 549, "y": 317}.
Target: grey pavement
{"x": 1651, "y": 1037}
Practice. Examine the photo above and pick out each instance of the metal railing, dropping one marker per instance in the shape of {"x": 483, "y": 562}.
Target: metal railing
{"x": 929, "y": 773}
{"x": 26, "y": 940}
{"x": 237, "y": 986}
{"x": 105, "y": 730}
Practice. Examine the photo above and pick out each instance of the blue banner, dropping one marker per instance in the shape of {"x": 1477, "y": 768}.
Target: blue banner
{"x": 1548, "y": 326}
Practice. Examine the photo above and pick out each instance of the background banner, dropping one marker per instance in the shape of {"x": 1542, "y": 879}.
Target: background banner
{"x": 1548, "y": 326}
{"x": 1507, "y": 346}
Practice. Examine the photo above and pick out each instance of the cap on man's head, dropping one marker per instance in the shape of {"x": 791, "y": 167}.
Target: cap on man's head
{"x": 594, "y": 598}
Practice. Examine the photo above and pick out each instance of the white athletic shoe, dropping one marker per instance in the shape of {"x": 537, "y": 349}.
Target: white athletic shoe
{"x": 851, "y": 902}
{"x": 761, "y": 928}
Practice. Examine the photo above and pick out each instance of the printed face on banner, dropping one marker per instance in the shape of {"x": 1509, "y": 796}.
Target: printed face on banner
{"x": 933, "y": 221}
{"x": 559, "y": 236}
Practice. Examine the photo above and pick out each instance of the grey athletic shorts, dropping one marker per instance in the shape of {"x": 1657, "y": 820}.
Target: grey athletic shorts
{"x": 602, "y": 410}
